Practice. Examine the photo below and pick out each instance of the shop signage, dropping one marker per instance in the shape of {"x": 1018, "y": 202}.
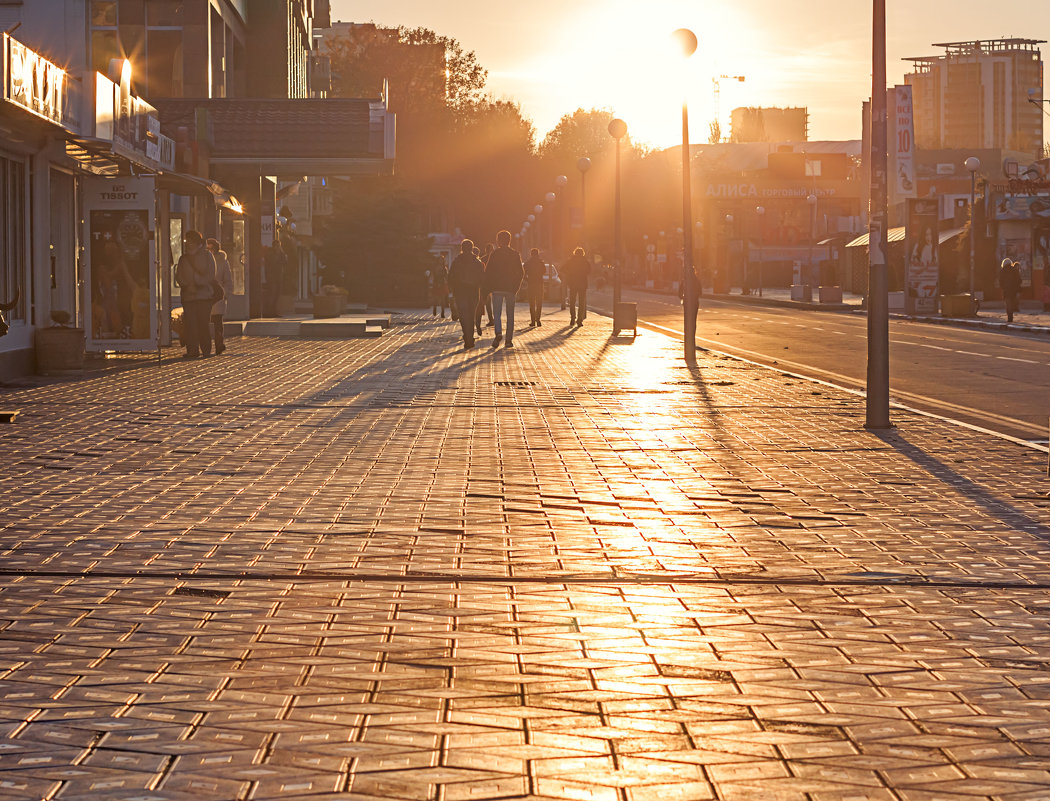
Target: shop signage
{"x": 131, "y": 124}
{"x": 34, "y": 83}
{"x": 121, "y": 264}
{"x": 745, "y": 190}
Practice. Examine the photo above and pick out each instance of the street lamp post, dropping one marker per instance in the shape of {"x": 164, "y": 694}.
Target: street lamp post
{"x": 552, "y": 219}
{"x": 973, "y": 164}
{"x": 812, "y": 201}
{"x": 877, "y": 401}
{"x": 558, "y": 242}
{"x": 617, "y": 129}
{"x": 761, "y": 212}
{"x": 583, "y": 164}
{"x": 686, "y": 40}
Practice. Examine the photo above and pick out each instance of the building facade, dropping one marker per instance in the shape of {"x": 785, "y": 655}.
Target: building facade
{"x": 977, "y": 94}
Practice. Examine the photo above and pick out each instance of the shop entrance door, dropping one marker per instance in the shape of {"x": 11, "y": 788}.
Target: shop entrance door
{"x": 64, "y": 252}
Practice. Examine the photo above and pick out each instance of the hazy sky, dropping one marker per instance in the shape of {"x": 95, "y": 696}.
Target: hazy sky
{"x": 554, "y": 56}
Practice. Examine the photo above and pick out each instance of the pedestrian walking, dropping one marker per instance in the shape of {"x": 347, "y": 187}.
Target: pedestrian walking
{"x": 486, "y": 298}
{"x": 575, "y": 274}
{"x": 224, "y": 275}
{"x": 464, "y": 279}
{"x": 195, "y": 275}
{"x": 275, "y": 261}
{"x": 1010, "y": 284}
{"x": 503, "y": 275}
{"x": 437, "y": 288}
{"x": 535, "y": 270}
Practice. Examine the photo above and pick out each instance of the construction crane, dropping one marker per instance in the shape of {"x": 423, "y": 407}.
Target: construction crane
{"x": 718, "y": 91}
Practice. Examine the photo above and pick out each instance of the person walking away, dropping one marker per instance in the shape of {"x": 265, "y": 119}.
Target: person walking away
{"x": 575, "y": 273}
{"x": 535, "y": 270}
{"x": 464, "y": 279}
{"x": 437, "y": 283}
{"x": 1010, "y": 284}
{"x": 275, "y": 260}
{"x": 224, "y": 275}
{"x": 195, "y": 274}
{"x": 503, "y": 276}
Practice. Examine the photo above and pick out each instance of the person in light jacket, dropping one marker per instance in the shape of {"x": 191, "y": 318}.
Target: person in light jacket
{"x": 224, "y": 275}
{"x": 195, "y": 274}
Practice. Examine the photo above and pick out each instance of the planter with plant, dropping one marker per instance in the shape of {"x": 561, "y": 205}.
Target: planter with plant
{"x": 330, "y": 301}
{"x": 60, "y": 347}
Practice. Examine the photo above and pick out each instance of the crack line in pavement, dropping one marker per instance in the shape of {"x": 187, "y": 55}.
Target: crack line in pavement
{"x": 879, "y": 580}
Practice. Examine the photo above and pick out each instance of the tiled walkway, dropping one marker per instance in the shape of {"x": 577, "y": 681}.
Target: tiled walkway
{"x": 577, "y": 569}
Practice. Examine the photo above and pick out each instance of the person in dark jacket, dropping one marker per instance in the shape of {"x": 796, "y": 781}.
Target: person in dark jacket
{"x": 535, "y": 270}
{"x": 1010, "y": 283}
{"x": 464, "y": 279}
{"x": 574, "y": 273}
{"x": 503, "y": 275}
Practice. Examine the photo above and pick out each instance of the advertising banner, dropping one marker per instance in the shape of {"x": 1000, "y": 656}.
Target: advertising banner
{"x": 121, "y": 264}
{"x": 923, "y": 282}
{"x": 904, "y": 147}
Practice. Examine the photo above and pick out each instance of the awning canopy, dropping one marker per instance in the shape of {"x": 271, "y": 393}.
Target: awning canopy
{"x": 899, "y": 234}
{"x": 289, "y": 138}
{"x": 182, "y": 184}
{"x": 895, "y": 235}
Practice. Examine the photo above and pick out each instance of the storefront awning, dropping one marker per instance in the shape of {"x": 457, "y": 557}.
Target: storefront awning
{"x": 182, "y": 184}
{"x": 899, "y": 234}
{"x": 895, "y": 235}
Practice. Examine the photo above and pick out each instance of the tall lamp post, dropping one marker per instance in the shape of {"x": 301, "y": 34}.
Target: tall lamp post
{"x": 552, "y": 220}
{"x": 877, "y": 401}
{"x": 686, "y": 40}
{"x": 583, "y": 164}
{"x": 760, "y": 211}
{"x": 973, "y": 164}
{"x": 618, "y": 130}
{"x": 558, "y": 242}
{"x": 812, "y": 201}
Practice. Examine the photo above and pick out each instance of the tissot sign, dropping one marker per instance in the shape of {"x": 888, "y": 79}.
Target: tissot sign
{"x": 33, "y": 82}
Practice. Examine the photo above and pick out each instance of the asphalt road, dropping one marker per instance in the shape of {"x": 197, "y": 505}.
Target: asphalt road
{"x": 994, "y": 380}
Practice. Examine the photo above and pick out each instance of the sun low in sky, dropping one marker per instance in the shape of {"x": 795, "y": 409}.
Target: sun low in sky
{"x": 553, "y": 56}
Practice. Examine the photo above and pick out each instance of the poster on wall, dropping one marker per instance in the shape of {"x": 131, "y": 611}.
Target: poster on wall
{"x": 922, "y": 258}
{"x": 122, "y": 276}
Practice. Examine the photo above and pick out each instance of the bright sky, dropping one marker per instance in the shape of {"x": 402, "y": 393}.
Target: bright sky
{"x": 554, "y": 56}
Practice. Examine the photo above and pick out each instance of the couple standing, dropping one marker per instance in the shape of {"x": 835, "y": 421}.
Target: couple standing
{"x": 471, "y": 280}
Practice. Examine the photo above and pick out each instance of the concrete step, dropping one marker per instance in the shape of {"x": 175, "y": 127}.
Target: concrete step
{"x": 348, "y": 326}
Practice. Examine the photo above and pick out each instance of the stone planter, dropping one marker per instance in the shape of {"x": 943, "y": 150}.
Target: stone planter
{"x": 329, "y": 305}
{"x": 59, "y": 350}
{"x": 957, "y": 306}
{"x": 830, "y": 294}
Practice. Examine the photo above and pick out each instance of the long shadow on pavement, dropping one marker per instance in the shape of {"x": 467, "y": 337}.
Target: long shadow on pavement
{"x": 993, "y": 506}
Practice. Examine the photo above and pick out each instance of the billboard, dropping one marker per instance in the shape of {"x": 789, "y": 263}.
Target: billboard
{"x": 923, "y": 263}
{"x": 122, "y": 308}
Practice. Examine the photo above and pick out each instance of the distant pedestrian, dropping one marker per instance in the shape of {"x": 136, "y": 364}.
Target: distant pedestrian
{"x": 464, "y": 279}
{"x": 486, "y": 298}
{"x": 503, "y": 275}
{"x": 275, "y": 260}
{"x": 535, "y": 270}
{"x": 195, "y": 274}
{"x": 224, "y": 275}
{"x": 575, "y": 274}
{"x": 1010, "y": 284}
{"x": 437, "y": 288}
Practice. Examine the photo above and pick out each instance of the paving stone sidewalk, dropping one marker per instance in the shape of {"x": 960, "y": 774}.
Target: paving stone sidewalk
{"x": 578, "y": 569}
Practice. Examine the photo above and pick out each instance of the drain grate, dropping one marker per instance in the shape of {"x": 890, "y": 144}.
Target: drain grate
{"x": 515, "y": 383}
{"x": 200, "y": 593}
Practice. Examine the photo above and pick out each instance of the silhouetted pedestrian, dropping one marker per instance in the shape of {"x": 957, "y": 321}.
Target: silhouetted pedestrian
{"x": 195, "y": 274}
{"x": 535, "y": 270}
{"x": 224, "y": 275}
{"x": 1010, "y": 283}
{"x": 275, "y": 260}
{"x": 464, "y": 279}
{"x": 575, "y": 274}
{"x": 503, "y": 275}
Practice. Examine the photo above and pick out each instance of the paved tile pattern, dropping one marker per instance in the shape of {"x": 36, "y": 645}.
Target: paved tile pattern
{"x": 573, "y": 570}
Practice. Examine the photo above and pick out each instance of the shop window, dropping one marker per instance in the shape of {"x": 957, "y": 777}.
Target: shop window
{"x": 13, "y": 233}
{"x": 164, "y": 13}
{"x": 165, "y": 67}
{"x": 103, "y": 13}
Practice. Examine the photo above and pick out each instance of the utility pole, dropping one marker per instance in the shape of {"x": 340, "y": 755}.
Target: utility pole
{"x": 878, "y": 387}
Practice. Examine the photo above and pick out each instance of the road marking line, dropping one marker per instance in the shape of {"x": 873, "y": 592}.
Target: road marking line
{"x": 1012, "y": 359}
